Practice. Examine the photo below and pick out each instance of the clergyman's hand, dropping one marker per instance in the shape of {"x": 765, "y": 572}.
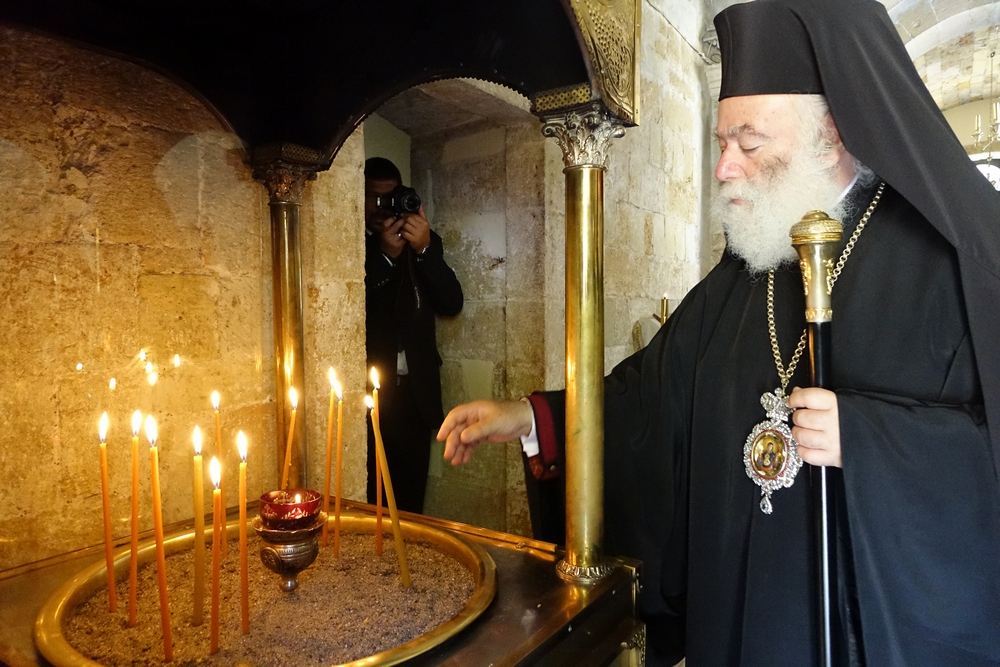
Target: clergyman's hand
{"x": 816, "y": 426}
{"x": 482, "y": 421}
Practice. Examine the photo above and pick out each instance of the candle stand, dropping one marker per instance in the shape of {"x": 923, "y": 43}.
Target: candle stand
{"x": 286, "y": 552}
{"x": 521, "y": 613}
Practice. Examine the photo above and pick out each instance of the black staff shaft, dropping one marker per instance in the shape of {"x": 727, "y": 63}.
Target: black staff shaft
{"x": 816, "y": 238}
{"x": 821, "y": 483}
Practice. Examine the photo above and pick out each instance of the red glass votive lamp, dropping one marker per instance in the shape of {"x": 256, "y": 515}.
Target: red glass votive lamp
{"x": 290, "y": 509}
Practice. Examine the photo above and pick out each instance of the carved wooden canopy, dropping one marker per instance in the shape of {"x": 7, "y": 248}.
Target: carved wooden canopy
{"x": 293, "y": 78}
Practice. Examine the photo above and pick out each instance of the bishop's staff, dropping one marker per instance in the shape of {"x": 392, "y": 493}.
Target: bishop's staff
{"x": 816, "y": 238}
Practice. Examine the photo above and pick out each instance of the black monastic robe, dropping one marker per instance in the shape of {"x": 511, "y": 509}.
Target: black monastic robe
{"x": 725, "y": 584}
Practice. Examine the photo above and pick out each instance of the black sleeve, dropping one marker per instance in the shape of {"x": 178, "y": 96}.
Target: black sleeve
{"x": 444, "y": 290}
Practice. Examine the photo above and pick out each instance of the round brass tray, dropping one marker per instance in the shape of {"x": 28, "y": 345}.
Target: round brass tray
{"x": 53, "y": 645}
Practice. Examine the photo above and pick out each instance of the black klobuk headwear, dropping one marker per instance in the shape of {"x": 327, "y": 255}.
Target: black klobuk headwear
{"x": 850, "y": 52}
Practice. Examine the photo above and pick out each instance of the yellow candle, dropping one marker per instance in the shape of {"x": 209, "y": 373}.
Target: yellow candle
{"x": 293, "y": 397}
{"x": 397, "y": 531}
{"x": 161, "y": 558}
{"x": 222, "y": 459}
{"x": 241, "y": 445}
{"x": 329, "y": 456}
{"x": 217, "y": 522}
{"x": 133, "y": 569}
{"x": 340, "y": 451}
{"x": 109, "y": 558}
{"x": 378, "y": 468}
{"x": 198, "y": 609}
{"x": 664, "y": 306}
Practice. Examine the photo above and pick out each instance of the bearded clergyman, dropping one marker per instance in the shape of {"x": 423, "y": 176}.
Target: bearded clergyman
{"x": 820, "y": 108}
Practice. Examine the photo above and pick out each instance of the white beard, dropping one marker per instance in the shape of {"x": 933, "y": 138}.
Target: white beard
{"x": 757, "y": 230}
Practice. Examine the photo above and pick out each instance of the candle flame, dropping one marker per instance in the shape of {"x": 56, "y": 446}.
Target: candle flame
{"x": 79, "y": 367}
{"x": 369, "y": 402}
{"x": 149, "y": 367}
{"x": 298, "y": 498}
{"x": 151, "y": 430}
{"x": 241, "y": 445}
{"x": 136, "y": 423}
{"x": 215, "y": 471}
{"x": 142, "y": 355}
{"x": 293, "y": 396}
{"x": 102, "y": 427}
{"x": 177, "y": 360}
{"x": 333, "y": 376}
{"x": 374, "y": 377}
{"x": 153, "y": 377}
{"x": 337, "y": 391}
{"x": 112, "y": 384}
{"x": 215, "y": 400}
{"x": 196, "y": 438}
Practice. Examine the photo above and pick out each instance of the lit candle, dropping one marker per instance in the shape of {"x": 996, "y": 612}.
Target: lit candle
{"x": 397, "y": 530}
{"x": 329, "y": 455}
{"x": 222, "y": 480}
{"x": 161, "y": 557}
{"x": 241, "y": 445}
{"x": 109, "y": 559}
{"x": 378, "y": 468}
{"x": 198, "y": 611}
{"x": 217, "y": 521}
{"x": 340, "y": 451}
{"x": 133, "y": 569}
{"x": 293, "y": 396}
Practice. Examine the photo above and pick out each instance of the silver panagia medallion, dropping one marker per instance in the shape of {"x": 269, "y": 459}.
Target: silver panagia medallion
{"x": 770, "y": 453}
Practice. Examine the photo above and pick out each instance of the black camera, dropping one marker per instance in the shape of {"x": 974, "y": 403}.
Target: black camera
{"x": 399, "y": 201}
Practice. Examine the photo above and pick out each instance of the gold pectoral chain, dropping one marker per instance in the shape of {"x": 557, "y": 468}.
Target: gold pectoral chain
{"x": 786, "y": 375}
{"x": 770, "y": 453}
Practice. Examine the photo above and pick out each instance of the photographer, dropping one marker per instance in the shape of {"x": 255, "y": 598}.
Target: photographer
{"x": 407, "y": 283}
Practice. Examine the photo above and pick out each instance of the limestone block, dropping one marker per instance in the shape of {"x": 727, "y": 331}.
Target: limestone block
{"x": 518, "y": 518}
{"x": 474, "y": 493}
{"x": 33, "y": 208}
{"x": 617, "y": 322}
{"x": 179, "y": 312}
{"x": 523, "y": 379}
{"x": 525, "y": 251}
{"x": 55, "y": 311}
{"x": 524, "y": 346}
{"x": 478, "y": 333}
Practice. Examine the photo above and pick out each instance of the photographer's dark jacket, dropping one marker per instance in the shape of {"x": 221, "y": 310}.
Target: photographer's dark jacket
{"x": 402, "y": 298}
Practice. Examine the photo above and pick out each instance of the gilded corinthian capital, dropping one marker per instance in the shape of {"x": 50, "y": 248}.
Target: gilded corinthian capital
{"x": 284, "y": 182}
{"x": 584, "y": 135}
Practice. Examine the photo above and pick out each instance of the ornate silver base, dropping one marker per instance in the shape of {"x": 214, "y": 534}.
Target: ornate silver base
{"x": 578, "y": 574}
{"x": 288, "y": 552}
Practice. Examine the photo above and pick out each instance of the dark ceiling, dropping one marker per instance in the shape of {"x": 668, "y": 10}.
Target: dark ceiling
{"x": 306, "y": 72}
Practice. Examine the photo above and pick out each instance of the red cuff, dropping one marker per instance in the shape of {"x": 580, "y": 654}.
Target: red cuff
{"x": 545, "y": 465}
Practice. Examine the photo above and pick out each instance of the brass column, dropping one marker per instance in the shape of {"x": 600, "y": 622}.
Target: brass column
{"x": 285, "y": 183}
{"x": 584, "y": 137}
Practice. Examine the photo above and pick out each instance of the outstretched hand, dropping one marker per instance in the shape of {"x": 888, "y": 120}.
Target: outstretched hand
{"x": 482, "y": 421}
{"x": 816, "y": 426}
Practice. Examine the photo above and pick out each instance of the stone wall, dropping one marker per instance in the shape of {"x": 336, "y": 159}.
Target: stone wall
{"x": 129, "y": 221}
{"x": 485, "y": 194}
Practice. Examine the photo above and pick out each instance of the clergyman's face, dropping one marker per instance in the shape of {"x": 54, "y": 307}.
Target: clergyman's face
{"x": 773, "y": 169}
{"x": 374, "y": 216}
{"x": 757, "y": 135}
